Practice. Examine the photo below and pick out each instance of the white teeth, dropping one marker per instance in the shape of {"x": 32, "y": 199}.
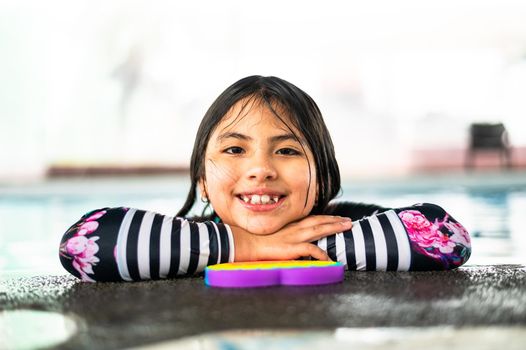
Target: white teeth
{"x": 259, "y": 199}
{"x": 256, "y": 199}
{"x": 265, "y": 199}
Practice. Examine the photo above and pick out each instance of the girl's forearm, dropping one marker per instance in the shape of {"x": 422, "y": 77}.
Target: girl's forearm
{"x": 420, "y": 237}
{"x": 126, "y": 244}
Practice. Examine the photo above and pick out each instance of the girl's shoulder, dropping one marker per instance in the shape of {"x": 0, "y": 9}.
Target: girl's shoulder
{"x": 354, "y": 210}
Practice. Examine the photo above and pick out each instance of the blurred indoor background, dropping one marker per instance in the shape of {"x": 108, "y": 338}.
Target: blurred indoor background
{"x": 125, "y": 83}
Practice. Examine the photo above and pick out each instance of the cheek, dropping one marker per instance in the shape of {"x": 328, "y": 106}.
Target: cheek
{"x": 298, "y": 179}
{"x": 219, "y": 178}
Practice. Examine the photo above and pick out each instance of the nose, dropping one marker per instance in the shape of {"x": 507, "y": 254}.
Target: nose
{"x": 261, "y": 168}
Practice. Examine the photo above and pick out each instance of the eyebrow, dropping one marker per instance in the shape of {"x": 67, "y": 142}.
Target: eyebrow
{"x": 273, "y": 139}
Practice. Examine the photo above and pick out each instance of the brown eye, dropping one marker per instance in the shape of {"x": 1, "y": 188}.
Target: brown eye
{"x": 288, "y": 152}
{"x": 234, "y": 150}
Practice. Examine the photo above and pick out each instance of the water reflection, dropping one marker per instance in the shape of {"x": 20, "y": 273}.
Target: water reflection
{"x": 491, "y": 210}
{"x": 31, "y": 329}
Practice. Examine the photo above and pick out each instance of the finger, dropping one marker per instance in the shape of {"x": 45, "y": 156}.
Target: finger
{"x": 291, "y": 252}
{"x": 316, "y": 232}
{"x": 309, "y": 249}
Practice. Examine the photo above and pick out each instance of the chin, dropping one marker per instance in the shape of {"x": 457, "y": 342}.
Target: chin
{"x": 263, "y": 229}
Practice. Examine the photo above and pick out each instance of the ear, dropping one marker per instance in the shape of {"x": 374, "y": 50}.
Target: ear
{"x": 202, "y": 188}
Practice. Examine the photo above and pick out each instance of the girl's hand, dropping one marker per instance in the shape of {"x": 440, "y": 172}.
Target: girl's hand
{"x": 290, "y": 242}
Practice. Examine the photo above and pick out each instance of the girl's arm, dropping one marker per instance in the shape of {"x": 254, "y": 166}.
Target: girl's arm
{"x": 116, "y": 244}
{"x": 420, "y": 237}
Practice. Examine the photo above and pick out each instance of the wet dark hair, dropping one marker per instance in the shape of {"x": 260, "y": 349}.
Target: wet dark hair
{"x": 302, "y": 112}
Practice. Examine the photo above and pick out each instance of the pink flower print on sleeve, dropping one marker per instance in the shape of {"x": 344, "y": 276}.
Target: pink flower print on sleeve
{"x": 96, "y": 216}
{"x": 82, "y": 249}
{"x": 82, "y": 246}
{"x": 460, "y": 234}
{"x": 428, "y": 239}
{"x": 424, "y": 234}
{"x": 87, "y": 227}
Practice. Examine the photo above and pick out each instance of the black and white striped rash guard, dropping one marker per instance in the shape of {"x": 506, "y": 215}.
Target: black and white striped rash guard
{"x": 152, "y": 246}
{"x": 126, "y": 244}
{"x": 378, "y": 242}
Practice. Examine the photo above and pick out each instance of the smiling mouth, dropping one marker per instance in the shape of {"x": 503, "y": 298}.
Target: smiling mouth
{"x": 256, "y": 199}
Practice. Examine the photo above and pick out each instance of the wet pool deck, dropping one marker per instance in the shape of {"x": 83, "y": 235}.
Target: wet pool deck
{"x": 118, "y": 315}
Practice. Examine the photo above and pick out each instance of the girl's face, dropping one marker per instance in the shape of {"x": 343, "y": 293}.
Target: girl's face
{"x": 256, "y": 172}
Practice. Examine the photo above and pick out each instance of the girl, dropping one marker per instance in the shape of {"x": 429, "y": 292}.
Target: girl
{"x": 264, "y": 164}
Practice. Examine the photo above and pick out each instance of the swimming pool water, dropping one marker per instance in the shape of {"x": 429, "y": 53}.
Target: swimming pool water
{"x": 34, "y": 217}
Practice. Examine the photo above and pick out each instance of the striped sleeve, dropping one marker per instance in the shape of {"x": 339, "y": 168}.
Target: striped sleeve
{"x": 126, "y": 244}
{"x": 420, "y": 237}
